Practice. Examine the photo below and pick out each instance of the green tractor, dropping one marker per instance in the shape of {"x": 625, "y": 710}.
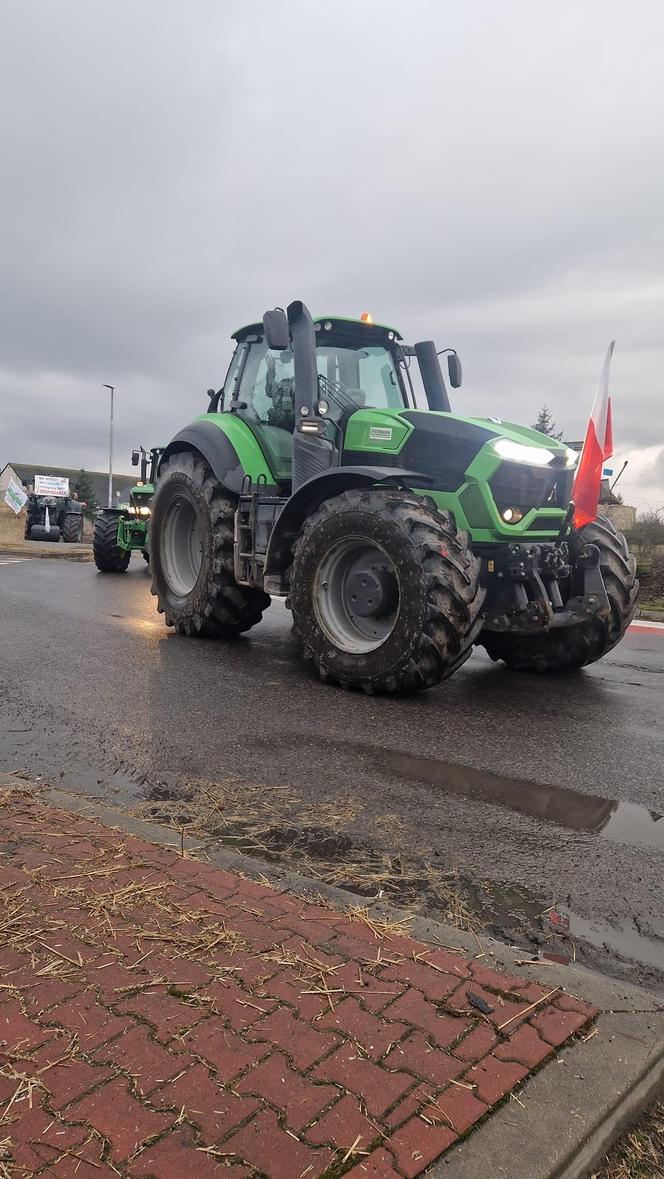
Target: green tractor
{"x": 399, "y": 536}
{"x": 118, "y": 531}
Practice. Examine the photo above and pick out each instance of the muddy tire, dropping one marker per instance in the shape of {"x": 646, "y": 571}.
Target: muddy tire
{"x": 72, "y": 529}
{"x": 568, "y": 649}
{"x": 385, "y": 592}
{"x": 108, "y": 557}
{"x": 191, "y": 553}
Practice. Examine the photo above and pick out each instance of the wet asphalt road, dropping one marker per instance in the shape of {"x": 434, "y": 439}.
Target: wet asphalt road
{"x": 536, "y": 790}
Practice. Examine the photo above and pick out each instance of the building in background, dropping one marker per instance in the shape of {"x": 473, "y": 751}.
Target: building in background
{"x": 25, "y": 473}
{"x": 6, "y": 474}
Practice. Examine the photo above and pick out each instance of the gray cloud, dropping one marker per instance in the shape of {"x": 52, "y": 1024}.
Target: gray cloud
{"x": 489, "y": 174}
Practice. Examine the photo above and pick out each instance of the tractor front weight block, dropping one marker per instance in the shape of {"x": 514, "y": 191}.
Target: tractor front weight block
{"x": 524, "y": 587}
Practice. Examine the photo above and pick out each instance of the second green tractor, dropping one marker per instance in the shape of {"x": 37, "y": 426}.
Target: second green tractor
{"x": 120, "y": 531}
{"x": 399, "y": 536}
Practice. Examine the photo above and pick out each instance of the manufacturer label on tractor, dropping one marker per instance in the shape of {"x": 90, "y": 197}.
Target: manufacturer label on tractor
{"x": 380, "y": 433}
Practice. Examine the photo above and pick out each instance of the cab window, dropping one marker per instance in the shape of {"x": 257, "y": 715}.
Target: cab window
{"x": 357, "y": 377}
{"x": 267, "y": 387}
{"x": 349, "y": 378}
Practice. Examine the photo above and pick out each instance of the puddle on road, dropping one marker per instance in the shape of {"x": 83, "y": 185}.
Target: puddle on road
{"x": 50, "y": 758}
{"x": 624, "y": 939}
{"x": 614, "y": 819}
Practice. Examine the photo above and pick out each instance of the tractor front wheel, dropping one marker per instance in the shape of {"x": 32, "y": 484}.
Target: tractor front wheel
{"x": 41, "y": 532}
{"x": 109, "y": 557}
{"x": 191, "y": 553}
{"x": 72, "y": 529}
{"x": 385, "y": 592}
{"x": 573, "y": 647}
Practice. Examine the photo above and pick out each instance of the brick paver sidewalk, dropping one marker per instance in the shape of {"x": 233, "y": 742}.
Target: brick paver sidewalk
{"x": 159, "y": 1017}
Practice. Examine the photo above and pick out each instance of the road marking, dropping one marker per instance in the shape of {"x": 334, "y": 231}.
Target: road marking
{"x": 643, "y": 624}
{"x": 13, "y": 560}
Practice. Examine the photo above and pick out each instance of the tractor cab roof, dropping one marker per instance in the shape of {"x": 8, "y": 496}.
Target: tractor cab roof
{"x": 340, "y": 324}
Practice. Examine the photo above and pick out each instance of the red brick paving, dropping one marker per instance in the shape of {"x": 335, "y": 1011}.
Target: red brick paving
{"x": 373, "y": 1034}
{"x": 422, "y": 1058}
{"x": 493, "y": 1078}
{"x": 300, "y": 1040}
{"x": 525, "y": 1046}
{"x": 273, "y": 1078}
{"x": 379, "y": 1165}
{"x": 153, "y": 1017}
{"x": 341, "y": 1124}
{"x": 477, "y": 1043}
{"x": 418, "y": 1143}
{"x": 207, "y": 1104}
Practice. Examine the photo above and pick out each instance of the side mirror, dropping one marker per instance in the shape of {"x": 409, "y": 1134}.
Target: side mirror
{"x": 275, "y": 326}
{"x": 454, "y": 370}
{"x": 135, "y": 458}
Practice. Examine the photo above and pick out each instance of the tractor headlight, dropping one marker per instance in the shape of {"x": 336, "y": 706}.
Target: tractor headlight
{"x": 144, "y": 511}
{"x": 519, "y": 452}
{"x": 512, "y": 515}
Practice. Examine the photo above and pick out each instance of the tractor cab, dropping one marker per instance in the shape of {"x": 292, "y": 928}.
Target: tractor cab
{"x": 148, "y": 461}
{"x": 358, "y": 365}
{"x": 143, "y": 490}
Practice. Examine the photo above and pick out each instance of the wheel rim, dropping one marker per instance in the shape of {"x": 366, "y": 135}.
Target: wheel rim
{"x": 182, "y": 546}
{"x": 356, "y": 595}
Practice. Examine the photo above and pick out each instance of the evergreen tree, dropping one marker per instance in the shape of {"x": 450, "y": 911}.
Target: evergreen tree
{"x": 83, "y": 488}
{"x": 545, "y": 424}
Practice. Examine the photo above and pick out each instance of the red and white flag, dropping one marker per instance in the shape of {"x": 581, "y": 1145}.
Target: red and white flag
{"x": 597, "y": 447}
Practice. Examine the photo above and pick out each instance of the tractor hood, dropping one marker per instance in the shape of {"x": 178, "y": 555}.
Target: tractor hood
{"x": 443, "y": 445}
{"x": 499, "y": 478}
{"x": 486, "y": 429}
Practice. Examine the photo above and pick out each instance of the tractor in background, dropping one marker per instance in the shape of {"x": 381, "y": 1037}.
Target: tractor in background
{"x": 121, "y": 530}
{"x": 54, "y": 514}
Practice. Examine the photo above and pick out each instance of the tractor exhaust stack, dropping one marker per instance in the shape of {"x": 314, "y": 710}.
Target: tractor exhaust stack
{"x": 432, "y": 378}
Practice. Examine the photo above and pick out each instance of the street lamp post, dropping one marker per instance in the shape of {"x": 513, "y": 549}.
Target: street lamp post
{"x": 110, "y": 450}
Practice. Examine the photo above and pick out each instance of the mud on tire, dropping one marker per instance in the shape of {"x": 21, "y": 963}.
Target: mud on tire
{"x": 567, "y": 649}
{"x": 109, "y": 558}
{"x": 191, "y": 553}
{"x": 439, "y": 597}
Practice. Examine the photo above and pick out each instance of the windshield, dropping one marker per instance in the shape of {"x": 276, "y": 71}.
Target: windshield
{"x": 350, "y": 377}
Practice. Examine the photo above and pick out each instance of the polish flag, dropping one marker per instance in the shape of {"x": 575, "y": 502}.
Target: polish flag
{"x": 597, "y": 447}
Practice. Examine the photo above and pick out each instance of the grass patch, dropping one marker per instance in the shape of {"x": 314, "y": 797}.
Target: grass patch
{"x": 640, "y": 1153}
{"x": 652, "y": 604}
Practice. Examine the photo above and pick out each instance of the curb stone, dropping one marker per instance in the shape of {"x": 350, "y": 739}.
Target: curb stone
{"x": 52, "y": 552}
{"x": 563, "y": 1123}
{"x": 650, "y": 615}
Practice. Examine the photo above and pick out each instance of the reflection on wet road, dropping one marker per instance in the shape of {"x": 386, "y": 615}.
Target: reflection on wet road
{"x": 614, "y": 819}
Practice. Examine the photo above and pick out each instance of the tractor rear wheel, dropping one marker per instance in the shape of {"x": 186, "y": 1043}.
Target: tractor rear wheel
{"x": 570, "y": 648}
{"x": 191, "y": 553}
{"x": 385, "y": 592}
{"x": 72, "y": 529}
{"x": 109, "y": 557}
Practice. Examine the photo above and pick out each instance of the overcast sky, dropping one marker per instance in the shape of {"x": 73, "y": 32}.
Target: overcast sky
{"x": 487, "y": 173}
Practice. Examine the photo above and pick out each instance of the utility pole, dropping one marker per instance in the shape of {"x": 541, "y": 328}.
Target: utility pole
{"x": 110, "y": 450}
